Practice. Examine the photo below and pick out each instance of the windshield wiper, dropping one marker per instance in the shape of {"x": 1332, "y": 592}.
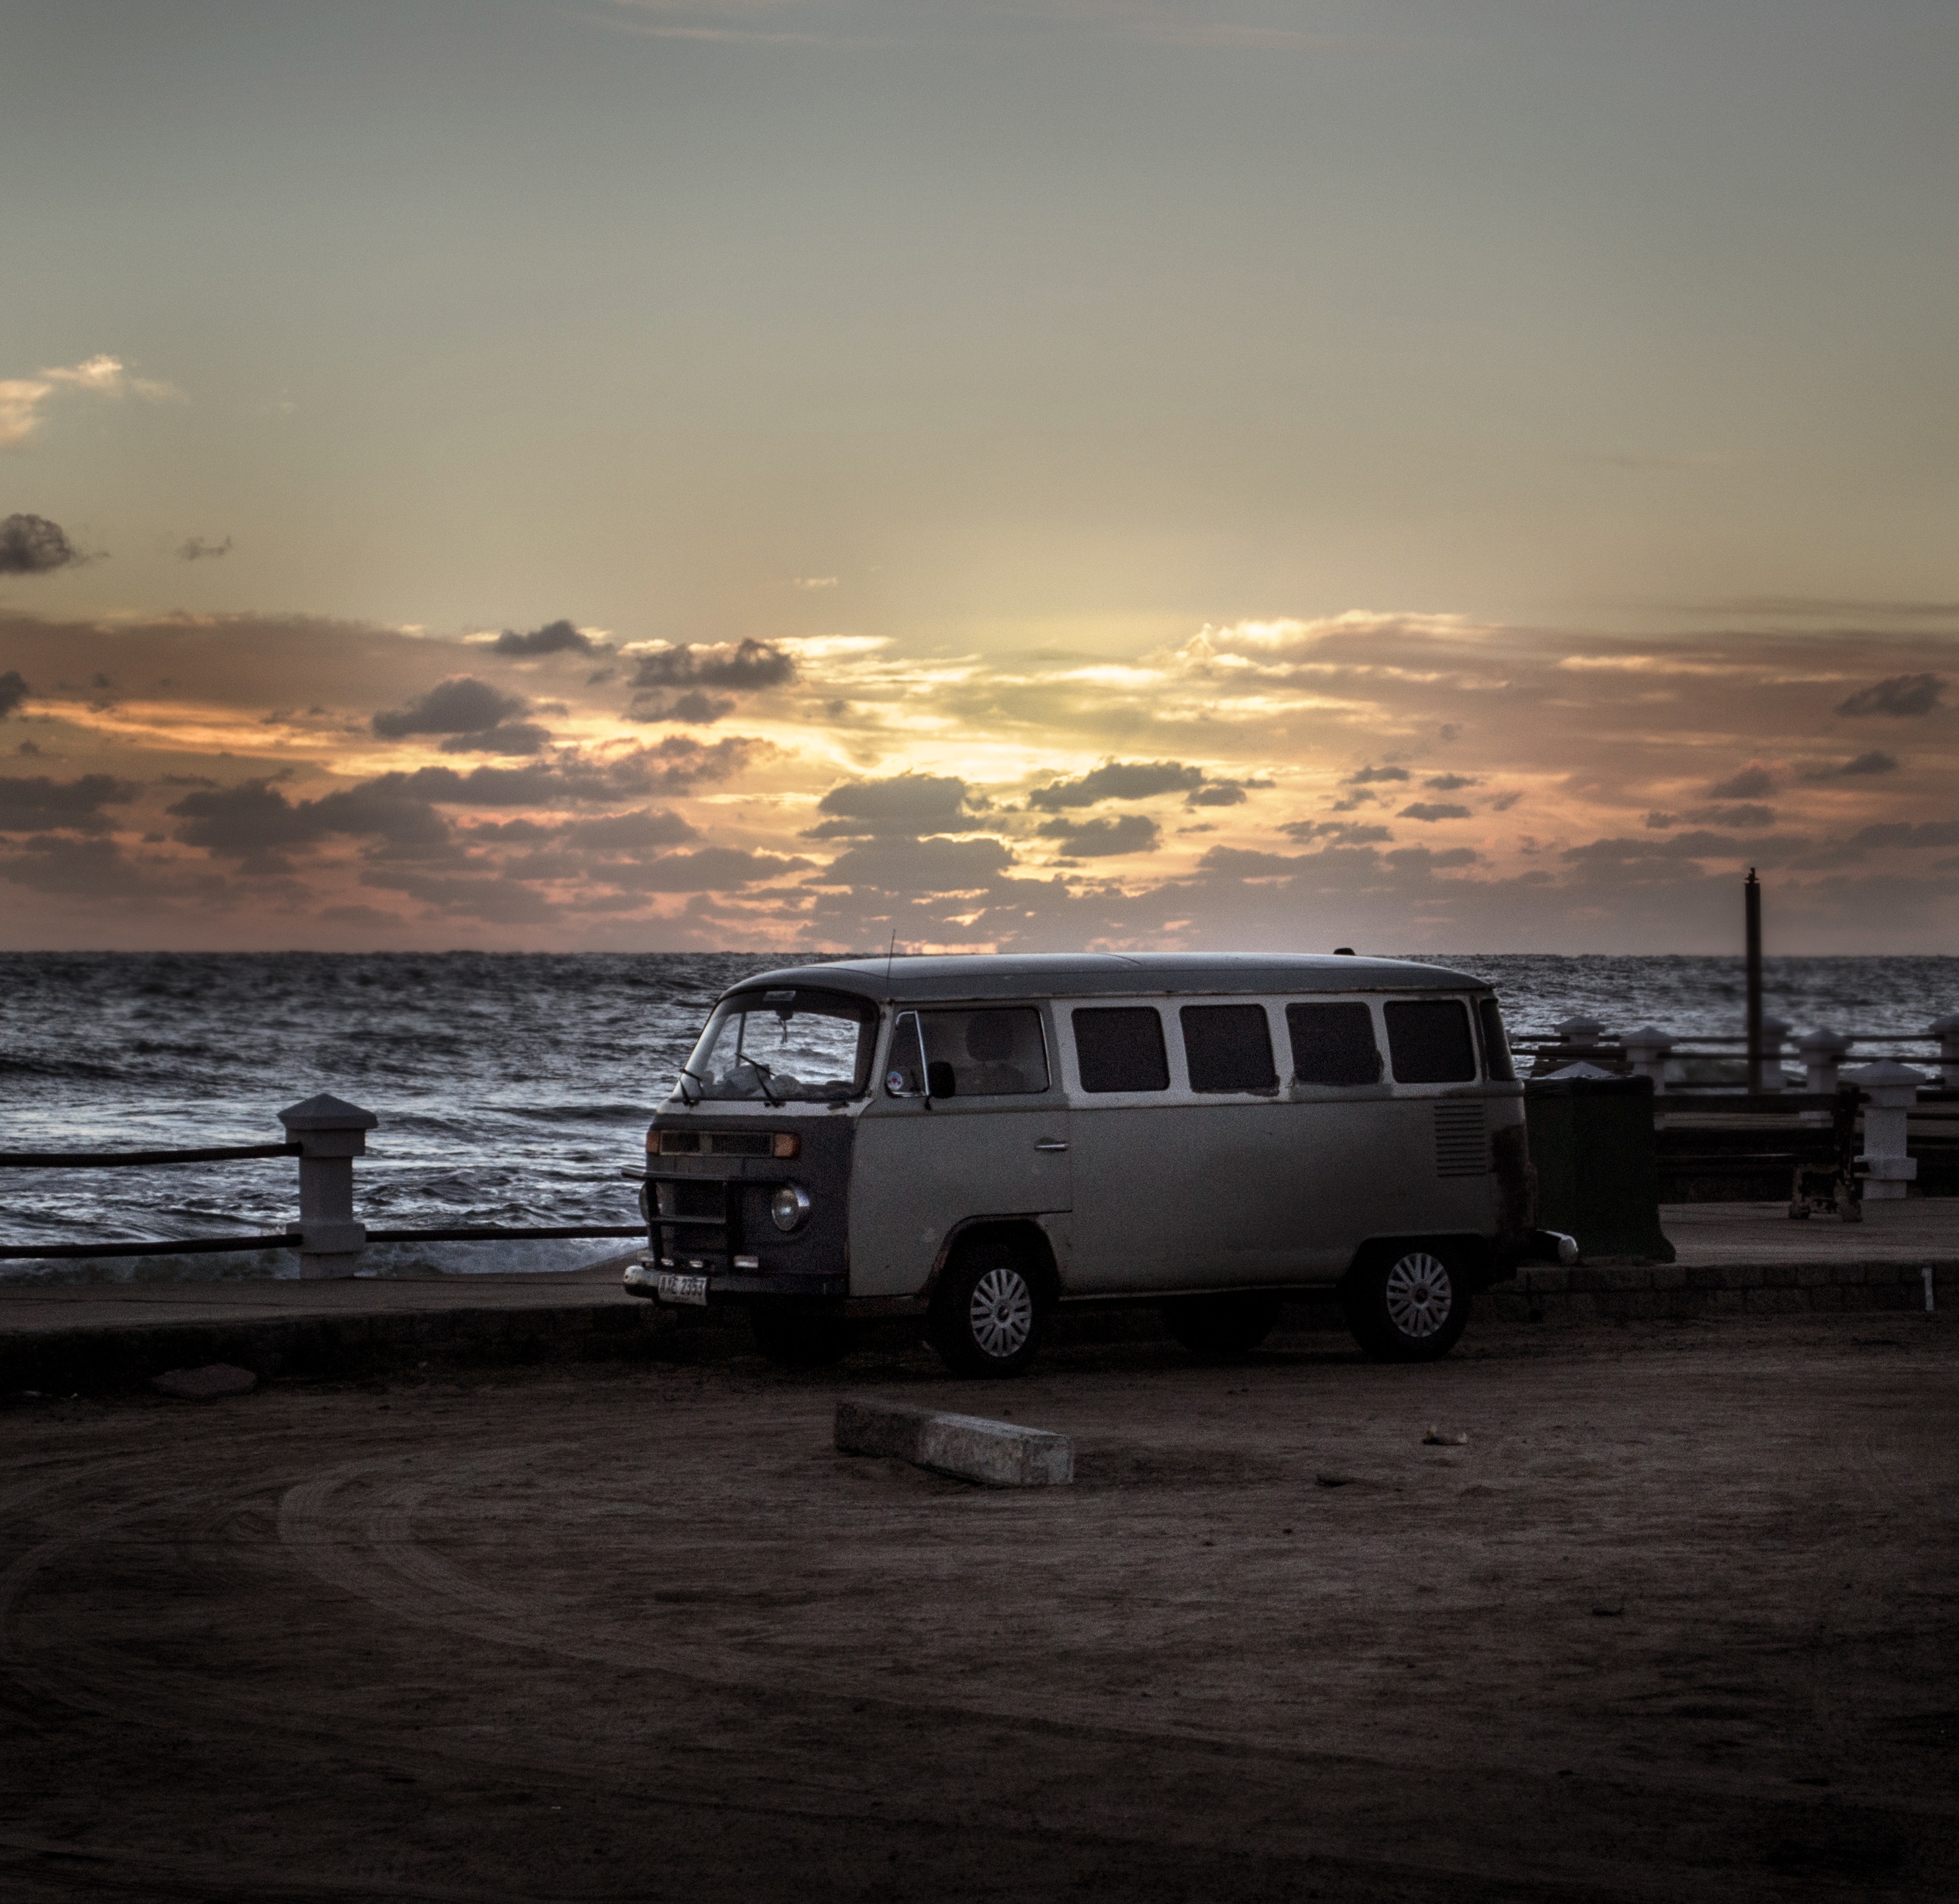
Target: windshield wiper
{"x": 690, "y": 1101}
{"x": 763, "y": 1075}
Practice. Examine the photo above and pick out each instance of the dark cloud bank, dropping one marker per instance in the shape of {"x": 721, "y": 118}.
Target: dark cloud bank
{"x": 554, "y": 638}
{"x": 474, "y": 717}
{"x": 33, "y": 545}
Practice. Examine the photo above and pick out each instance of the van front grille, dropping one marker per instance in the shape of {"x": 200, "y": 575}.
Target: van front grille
{"x": 696, "y": 1221}
{"x": 692, "y": 1197}
{"x": 716, "y": 1143}
{"x": 1462, "y": 1141}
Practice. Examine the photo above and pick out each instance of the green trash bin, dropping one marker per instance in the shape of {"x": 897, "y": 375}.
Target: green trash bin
{"x": 1592, "y": 1140}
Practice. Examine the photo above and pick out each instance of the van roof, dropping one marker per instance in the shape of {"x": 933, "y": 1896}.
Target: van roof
{"x": 1019, "y": 974}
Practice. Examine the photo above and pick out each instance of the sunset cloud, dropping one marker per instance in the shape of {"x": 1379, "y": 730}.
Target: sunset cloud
{"x": 1103, "y": 837}
{"x": 1902, "y": 695}
{"x": 745, "y": 665}
{"x": 22, "y": 400}
{"x": 472, "y": 717}
{"x": 1119, "y": 780}
{"x": 1750, "y": 784}
{"x": 554, "y": 638}
{"x": 40, "y": 804}
{"x": 33, "y": 545}
{"x": 907, "y": 805}
{"x": 694, "y": 709}
{"x": 959, "y": 799}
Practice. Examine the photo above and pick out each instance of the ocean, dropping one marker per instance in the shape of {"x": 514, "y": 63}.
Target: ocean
{"x": 515, "y": 1088}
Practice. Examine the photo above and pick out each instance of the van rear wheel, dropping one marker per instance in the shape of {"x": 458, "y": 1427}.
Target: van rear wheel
{"x": 986, "y": 1314}
{"x": 1220, "y": 1327}
{"x": 1408, "y": 1304}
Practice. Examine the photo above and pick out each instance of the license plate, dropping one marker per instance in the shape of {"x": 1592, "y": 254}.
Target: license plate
{"x": 671, "y": 1288}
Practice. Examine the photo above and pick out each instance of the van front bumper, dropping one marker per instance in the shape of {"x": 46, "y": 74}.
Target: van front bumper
{"x": 642, "y": 1279}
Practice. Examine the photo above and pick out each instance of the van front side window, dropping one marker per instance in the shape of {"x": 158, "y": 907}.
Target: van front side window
{"x": 1228, "y": 1048}
{"x": 1429, "y": 1041}
{"x": 1334, "y": 1045}
{"x": 994, "y": 1053}
{"x": 1120, "y": 1048}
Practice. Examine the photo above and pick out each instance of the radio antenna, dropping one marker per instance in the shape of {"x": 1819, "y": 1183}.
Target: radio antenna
{"x": 890, "y": 955}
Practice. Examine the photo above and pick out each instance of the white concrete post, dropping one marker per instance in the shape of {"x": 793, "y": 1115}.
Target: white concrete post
{"x": 1946, "y": 1032}
{"x": 1891, "y": 1089}
{"x": 1821, "y": 1052}
{"x": 1645, "y": 1052}
{"x": 330, "y": 1134}
{"x": 1582, "y": 1034}
{"x": 1775, "y": 1034}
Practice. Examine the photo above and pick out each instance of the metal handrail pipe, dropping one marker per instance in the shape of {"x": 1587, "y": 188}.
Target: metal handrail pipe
{"x": 490, "y": 1233}
{"x": 1524, "y": 1042}
{"x": 213, "y": 1245}
{"x": 123, "y": 1160}
{"x": 183, "y": 1246}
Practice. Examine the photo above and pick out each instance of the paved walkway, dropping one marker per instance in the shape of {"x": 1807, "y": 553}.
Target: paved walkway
{"x": 32, "y": 1308}
{"x": 1708, "y": 1236}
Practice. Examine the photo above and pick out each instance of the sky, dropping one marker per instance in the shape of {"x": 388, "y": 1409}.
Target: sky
{"x": 779, "y": 475}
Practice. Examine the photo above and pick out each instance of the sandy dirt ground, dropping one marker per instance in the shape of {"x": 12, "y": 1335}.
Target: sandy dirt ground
{"x": 1678, "y": 1620}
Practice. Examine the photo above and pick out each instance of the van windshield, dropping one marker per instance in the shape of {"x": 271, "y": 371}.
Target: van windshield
{"x": 791, "y": 1045}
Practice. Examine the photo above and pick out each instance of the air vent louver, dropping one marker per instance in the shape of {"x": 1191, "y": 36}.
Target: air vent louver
{"x": 1462, "y": 1141}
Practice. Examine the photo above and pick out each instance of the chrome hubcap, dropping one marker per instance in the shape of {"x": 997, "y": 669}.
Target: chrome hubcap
{"x": 1420, "y": 1295}
{"x": 1002, "y": 1312}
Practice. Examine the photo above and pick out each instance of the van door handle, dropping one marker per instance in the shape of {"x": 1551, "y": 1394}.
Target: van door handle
{"x": 1050, "y": 1143}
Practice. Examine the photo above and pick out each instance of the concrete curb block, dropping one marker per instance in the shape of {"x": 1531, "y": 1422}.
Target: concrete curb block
{"x": 999, "y": 1453}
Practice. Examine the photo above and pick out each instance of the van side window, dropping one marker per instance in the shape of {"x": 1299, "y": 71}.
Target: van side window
{"x": 1428, "y": 1038}
{"x": 1334, "y": 1045}
{"x": 1120, "y": 1048}
{"x": 1496, "y": 1045}
{"x": 996, "y": 1052}
{"x": 1228, "y": 1048}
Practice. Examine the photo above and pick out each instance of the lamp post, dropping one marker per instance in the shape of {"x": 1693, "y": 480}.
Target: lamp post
{"x": 1751, "y": 904}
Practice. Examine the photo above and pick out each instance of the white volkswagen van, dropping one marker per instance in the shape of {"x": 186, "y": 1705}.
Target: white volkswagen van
{"x": 979, "y": 1141}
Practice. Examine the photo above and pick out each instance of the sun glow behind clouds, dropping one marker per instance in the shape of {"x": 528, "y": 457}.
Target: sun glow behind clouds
{"x": 1266, "y": 782}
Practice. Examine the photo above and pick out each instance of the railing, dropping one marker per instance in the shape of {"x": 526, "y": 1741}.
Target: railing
{"x": 326, "y": 1135}
{"x": 1649, "y": 1050}
{"x": 1887, "y": 1090}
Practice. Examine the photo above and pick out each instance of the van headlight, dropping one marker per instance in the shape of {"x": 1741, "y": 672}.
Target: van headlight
{"x": 789, "y": 1207}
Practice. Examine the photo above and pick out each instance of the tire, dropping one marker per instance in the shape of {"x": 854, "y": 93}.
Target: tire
{"x": 1409, "y": 1303}
{"x": 795, "y": 1337}
{"x": 986, "y": 1314}
{"x": 1222, "y": 1328}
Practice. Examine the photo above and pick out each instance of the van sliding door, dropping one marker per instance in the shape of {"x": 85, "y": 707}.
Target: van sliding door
{"x": 1181, "y": 1163}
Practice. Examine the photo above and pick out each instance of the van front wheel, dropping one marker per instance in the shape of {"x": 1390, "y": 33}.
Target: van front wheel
{"x": 986, "y": 1316}
{"x": 1407, "y": 1305}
